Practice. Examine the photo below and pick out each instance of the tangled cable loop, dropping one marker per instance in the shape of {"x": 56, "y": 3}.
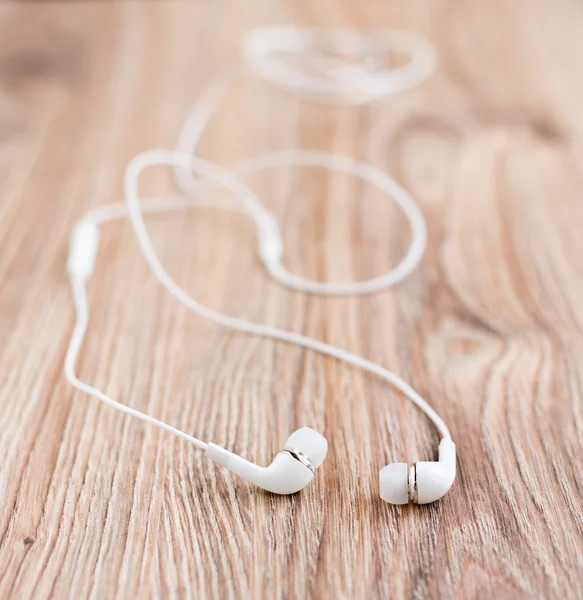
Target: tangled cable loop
{"x": 353, "y": 68}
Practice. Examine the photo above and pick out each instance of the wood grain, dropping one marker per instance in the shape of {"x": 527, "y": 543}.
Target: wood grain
{"x": 490, "y": 328}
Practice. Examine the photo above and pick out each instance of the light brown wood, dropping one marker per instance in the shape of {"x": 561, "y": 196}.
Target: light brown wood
{"x": 489, "y": 329}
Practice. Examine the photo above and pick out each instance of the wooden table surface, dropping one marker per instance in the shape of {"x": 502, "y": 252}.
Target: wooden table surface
{"x": 490, "y": 327}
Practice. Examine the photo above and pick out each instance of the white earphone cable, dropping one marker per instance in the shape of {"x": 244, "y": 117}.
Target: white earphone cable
{"x": 344, "y": 85}
{"x": 81, "y": 307}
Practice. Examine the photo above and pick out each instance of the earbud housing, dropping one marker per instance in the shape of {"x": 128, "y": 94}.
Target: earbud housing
{"x": 424, "y": 482}
{"x": 291, "y": 470}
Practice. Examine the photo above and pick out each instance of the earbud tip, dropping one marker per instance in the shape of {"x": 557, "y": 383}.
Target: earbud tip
{"x": 309, "y": 442}
{"x": 394, "y": 483}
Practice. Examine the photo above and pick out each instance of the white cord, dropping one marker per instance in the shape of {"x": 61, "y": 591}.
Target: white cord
{"x": 82, "y": 309}
{"x": 366, "y": 172}
{"x": 341, "y": 83}
{"x": 262, "y": 49}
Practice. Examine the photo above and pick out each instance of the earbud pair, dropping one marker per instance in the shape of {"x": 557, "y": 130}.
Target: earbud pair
{"x": 294, "y": 467}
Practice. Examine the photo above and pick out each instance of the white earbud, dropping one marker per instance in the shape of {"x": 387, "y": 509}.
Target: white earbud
{"x": 424, "y": 482}
{"x": 291, "y": 470}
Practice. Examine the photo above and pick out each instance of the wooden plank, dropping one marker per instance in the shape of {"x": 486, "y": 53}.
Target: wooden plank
{"x": 489, "y": 329}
